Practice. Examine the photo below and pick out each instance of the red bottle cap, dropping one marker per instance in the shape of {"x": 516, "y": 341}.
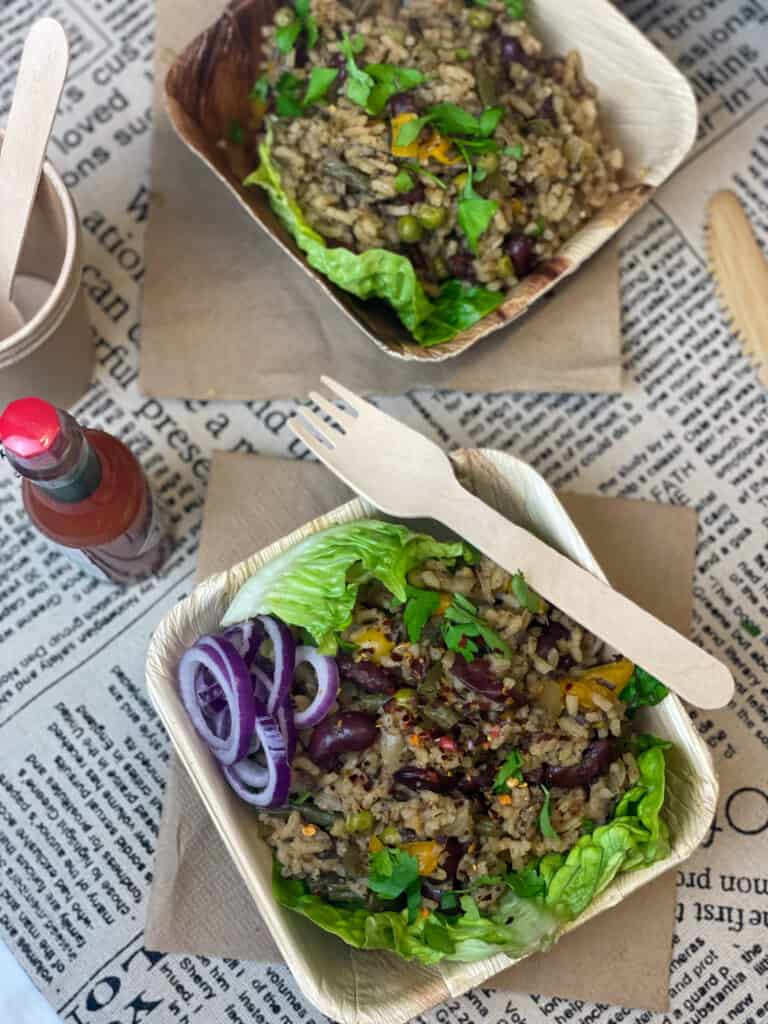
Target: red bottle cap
{"x": 29, "y": 426}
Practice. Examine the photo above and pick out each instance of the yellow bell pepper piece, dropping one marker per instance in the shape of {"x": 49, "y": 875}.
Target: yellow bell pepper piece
{"x": 373, "y": 640}
{"x": 445, "y": 602}
{"x": 440, "y": 149}
{"x": 412, "y": 149}
{"x": 427, "y": 854}
{"x": 618, "y": 673}
{"x": 375, "y": 845}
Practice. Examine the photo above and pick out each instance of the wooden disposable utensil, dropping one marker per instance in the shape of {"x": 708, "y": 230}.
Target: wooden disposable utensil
{"x": 42, "y": 71}
{"x": 403, "y": 473}
{"x": 741, "y": 273}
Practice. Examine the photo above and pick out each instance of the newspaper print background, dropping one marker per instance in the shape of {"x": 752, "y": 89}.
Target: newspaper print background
{"x": 82, "y": 755}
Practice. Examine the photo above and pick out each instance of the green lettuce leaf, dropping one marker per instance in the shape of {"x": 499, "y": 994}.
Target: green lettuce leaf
{"x": 634, "y": 838}
{"x": 376, "y": 273}
{"x": 519, "y": 926}
{"x": 315, "y": 583}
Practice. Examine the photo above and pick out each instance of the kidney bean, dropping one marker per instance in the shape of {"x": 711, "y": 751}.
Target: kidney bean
{"x": 547, "y": 111}
{"x": 416, "y": 195}
{"x": 401, "y": 103}
{"x": 367, "y": 675}
{"x": 548, "y": 639}
{"x": 480, "y": 782}
{"x": 301, "y": 55}
{"x": 454, "y": 851}
{"x": 422, "y": 778}
{"x": 341, "y": 734}
{"x": 477, "y": 675}
{"x": 431, "y": 890}
{"x": 461, "y": 266}
{"x": 594, "y": 762}
{"x": 520, "y": 249}
{"x": 338, "y": 60}
{"x": 513, "y": 52}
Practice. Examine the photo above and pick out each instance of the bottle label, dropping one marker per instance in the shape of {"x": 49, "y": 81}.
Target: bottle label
{"x": 137, "y": 554}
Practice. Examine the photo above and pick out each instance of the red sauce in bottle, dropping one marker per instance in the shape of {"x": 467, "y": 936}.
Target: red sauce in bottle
{"x": 86, "y": 492}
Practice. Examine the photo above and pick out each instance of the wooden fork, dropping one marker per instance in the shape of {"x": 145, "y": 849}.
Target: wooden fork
{"x": 404, "y": 474}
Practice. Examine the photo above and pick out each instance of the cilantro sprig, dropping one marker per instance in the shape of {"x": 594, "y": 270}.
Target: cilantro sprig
{"x": 451, "y": 121}
{"x": 372, "y": 87}
{"x": 511, "y": 769}
{"x": 463, "y": 623}
{"x": 526, "y": 597}
{"x": 527, "y": 883}
{"x": 287, "y": 35}
{"x": 394, "y": 872}
{"x": 545, "y": 823}
{"x": 288, "y": 101}
{"x": 418, "y": 169}
{"x": 474, "y": 212}
{"x": 420, "y": 606}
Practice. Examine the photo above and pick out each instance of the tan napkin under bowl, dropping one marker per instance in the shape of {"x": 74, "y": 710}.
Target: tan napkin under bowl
{"x": 367, "y": 987}
{"x": 647, "y": 107}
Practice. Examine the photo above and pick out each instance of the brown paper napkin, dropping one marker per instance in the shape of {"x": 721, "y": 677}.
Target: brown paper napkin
{"x": 227, "y": 315}
{"x": 200, "y": 905}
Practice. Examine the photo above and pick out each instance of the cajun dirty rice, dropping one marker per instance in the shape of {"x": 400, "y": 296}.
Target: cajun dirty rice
{"x": 433, "y": 780}
{"x": 546, "y": 166}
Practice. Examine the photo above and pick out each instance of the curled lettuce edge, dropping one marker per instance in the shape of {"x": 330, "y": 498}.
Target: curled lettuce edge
{"x": 376, "y": 273}
{"x": 315, "y": 583}
{"x": 635, "y": 838}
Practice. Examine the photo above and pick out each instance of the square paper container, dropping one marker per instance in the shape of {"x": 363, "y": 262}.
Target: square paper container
{"x": 369, "y": 987}
{"x": 647, "y": 108}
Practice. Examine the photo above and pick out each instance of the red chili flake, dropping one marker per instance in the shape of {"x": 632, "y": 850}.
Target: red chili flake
{"x": 446, "y": 743}
{"x": 463, "y": 642}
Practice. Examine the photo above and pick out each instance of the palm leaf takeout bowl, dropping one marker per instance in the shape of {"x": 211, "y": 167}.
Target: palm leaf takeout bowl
{"x": 648, "y": 109}
{"x": 348, "y": 985}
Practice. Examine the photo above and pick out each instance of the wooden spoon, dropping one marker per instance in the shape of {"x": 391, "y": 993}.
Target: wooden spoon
{"x": 42, "y": 71}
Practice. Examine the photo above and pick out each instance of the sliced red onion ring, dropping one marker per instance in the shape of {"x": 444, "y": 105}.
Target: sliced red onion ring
{"x": 228, "y": 669}
{"x": 327, "y": 673}
{"x": 246, "y": 637}
{"x": 285, "y": 719}
{"x": 274, "y": 791}
{"x": 284, "y": 658}
{"x": 250, "y": 773}
{"x": 283, "y": 715}
{"x": 262, "y": 686}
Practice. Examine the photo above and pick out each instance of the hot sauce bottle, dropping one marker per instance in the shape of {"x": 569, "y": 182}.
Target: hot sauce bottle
{"x": 86, "y": 492}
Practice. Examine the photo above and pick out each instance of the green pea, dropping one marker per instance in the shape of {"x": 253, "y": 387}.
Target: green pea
{"x": 405, "y": 696}
{"x": 488, "y": 162}
{"x": 505, "y": 267}
{"x": 460, "y": 181}
{"x": 403, "y": 182}
{"x": 480, "y": 18}
{"x": 408, "y": 229}
{"x": 430, "y": 217}
{"x": 463, "y": 53}
{"x": 361, "y": 822}
{"x": 390, "y": 836}
{"x": 284, "y": 16}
